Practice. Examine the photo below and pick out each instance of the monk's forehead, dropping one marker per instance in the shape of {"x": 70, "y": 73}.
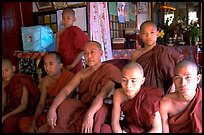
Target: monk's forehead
{"x": 7, "y": 63}
{"x": 91, "y": 45}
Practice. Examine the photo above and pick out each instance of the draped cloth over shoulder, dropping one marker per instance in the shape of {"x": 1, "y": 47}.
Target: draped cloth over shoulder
{"x": 14, "y": 91}
{"x": 190, "y": 120}
{"x": 140, "y": 111}
{"x": 71, "y": 112}
{"x": 72, "y": 42}
{"x": 52, "y": 91}
{"x": 158, "y": 65}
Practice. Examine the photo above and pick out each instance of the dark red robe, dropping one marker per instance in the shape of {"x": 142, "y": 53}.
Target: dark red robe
{"x": 71, "y": 43}
{"x": 139, "y": 112}
{"x": 71, "y": 112}
{"x": 52, "y": 91}
{"x": 14, "y": 91}
{"x": 158, "y": 65}
{"x": 190, "y": 120}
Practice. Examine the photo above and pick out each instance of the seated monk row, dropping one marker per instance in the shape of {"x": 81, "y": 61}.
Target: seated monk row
{"x": 178, "y": 112}
{"x": 20, "y": 96}
{"x": 50, "y": 86}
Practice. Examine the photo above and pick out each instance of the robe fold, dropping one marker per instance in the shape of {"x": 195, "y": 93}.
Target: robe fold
{"x": 71, "y": 43}
{"x": 52, "y": 92}
{"x": 139, "y": 112}
{"x": 14, "y": 91}
{"x": 190, "y": 120}
{"x": 71, "y": 111}
{"x": 158, "y": 65}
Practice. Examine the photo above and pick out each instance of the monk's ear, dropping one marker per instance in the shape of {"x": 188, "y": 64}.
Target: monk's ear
{"x": 61, "y": 65}
{"x": 13, "y": 68}
{"x": 143, "y": 80}
{"x": 74, "y": 19}
{"x": 101, "y": 53}
{"x": 157, "y": 33}
{"x": 198, "y": 78}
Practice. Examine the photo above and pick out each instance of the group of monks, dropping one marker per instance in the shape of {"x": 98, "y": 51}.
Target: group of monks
{"x": 158, "y": 92}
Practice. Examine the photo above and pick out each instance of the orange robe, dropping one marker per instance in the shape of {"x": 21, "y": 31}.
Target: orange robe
{"x": 139, "y": 112}
{"x": 52, "y": 91}
{"x": 14, "y": 91}
{"x": 190, "y": 120}
{"x": 71, "y": 111}
{"x": 71, "y": 43}
{"x": 158, "y": 65}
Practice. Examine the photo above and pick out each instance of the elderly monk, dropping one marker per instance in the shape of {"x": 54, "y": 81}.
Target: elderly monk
{"x": 140, "y": 106}
{"x": 50, "y": 87}
{"x": 181, "y": 111}
{"x": 20, "y": 96}
{"x": 95, "y": 82}
{"x": 158, "y": 61}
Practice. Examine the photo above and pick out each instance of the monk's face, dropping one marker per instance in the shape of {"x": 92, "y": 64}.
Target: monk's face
{"x": 131, "y": 81}
{"x": 149, "y": 34}
{"x": 92, "y": 54}
{"x": 7, "y": 71}
{"x": 68, "y": 19}
{"x": 186, "y": 80}
{"x": 52, "y": 65}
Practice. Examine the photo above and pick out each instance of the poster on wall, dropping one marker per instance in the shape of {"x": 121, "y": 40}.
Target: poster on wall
{"x": 142, "y": 7}
{"x": 121, "y": 12}
{"x": 81, "y": 18}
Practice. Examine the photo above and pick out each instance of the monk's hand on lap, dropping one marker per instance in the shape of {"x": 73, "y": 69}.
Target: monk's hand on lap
{"x": 52, "y": 118}
{"x": 87, "y": 124}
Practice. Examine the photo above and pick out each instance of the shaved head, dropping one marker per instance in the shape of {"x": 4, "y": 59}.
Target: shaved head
{"x": 7, "y": 62}
{"x": 147, "y": 23}
{"x": 134, "y": 65}
{"x": 186, "y": 63}
{"x": 94, "y": 42}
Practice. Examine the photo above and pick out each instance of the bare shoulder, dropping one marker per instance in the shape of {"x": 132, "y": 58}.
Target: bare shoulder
{"x": 46, "y": 81}
{"x": 168, "y": 99}
{"x": 119, "y": 95}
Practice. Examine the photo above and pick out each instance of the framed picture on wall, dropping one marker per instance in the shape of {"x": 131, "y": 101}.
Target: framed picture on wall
{"x": 44, "y": 5}
{"x": 76, "y": 3}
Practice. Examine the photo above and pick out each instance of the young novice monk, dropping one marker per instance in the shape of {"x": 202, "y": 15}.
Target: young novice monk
{"x": 139, "y": 105}
{"x": 158, "y": 61}
{"x": 70, "y": 42}
{"x": 181, "y": 111}
{"x": 50, "y": 87}
{"x": 20, "y": 96}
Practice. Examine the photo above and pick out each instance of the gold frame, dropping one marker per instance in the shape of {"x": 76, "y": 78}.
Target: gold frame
{"x": 44, "y": 5}
{"x": 76, "y": 3}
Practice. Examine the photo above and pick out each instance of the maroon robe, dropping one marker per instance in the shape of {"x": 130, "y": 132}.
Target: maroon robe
{"x": 158, "y": 65}
{"x": 71, "y": 112}
{"x": 190, "y": 120}
{"x": 71, "y": 43}
{"x": 139, "y": 112}
{"x": 52, "y": 91}
{"x": 14, "y": 91}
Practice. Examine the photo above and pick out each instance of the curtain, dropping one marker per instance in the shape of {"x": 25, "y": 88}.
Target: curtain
{"x": 99, "y": 27}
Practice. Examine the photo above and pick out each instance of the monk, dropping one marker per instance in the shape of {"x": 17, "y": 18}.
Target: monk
{"x": 70, "y": 42}
{"x": 140, "y": 106}
{"x": 20, "y": 96}
{"x": 95, "y": 82}
{"x": 181, "y": 111}
{"x": 50, "y": 87}
{"x": 158, "y": 61}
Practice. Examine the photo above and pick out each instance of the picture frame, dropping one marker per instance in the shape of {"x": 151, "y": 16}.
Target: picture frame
{"x": 44, "y": 5}
{"x": 76, "y": 3}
